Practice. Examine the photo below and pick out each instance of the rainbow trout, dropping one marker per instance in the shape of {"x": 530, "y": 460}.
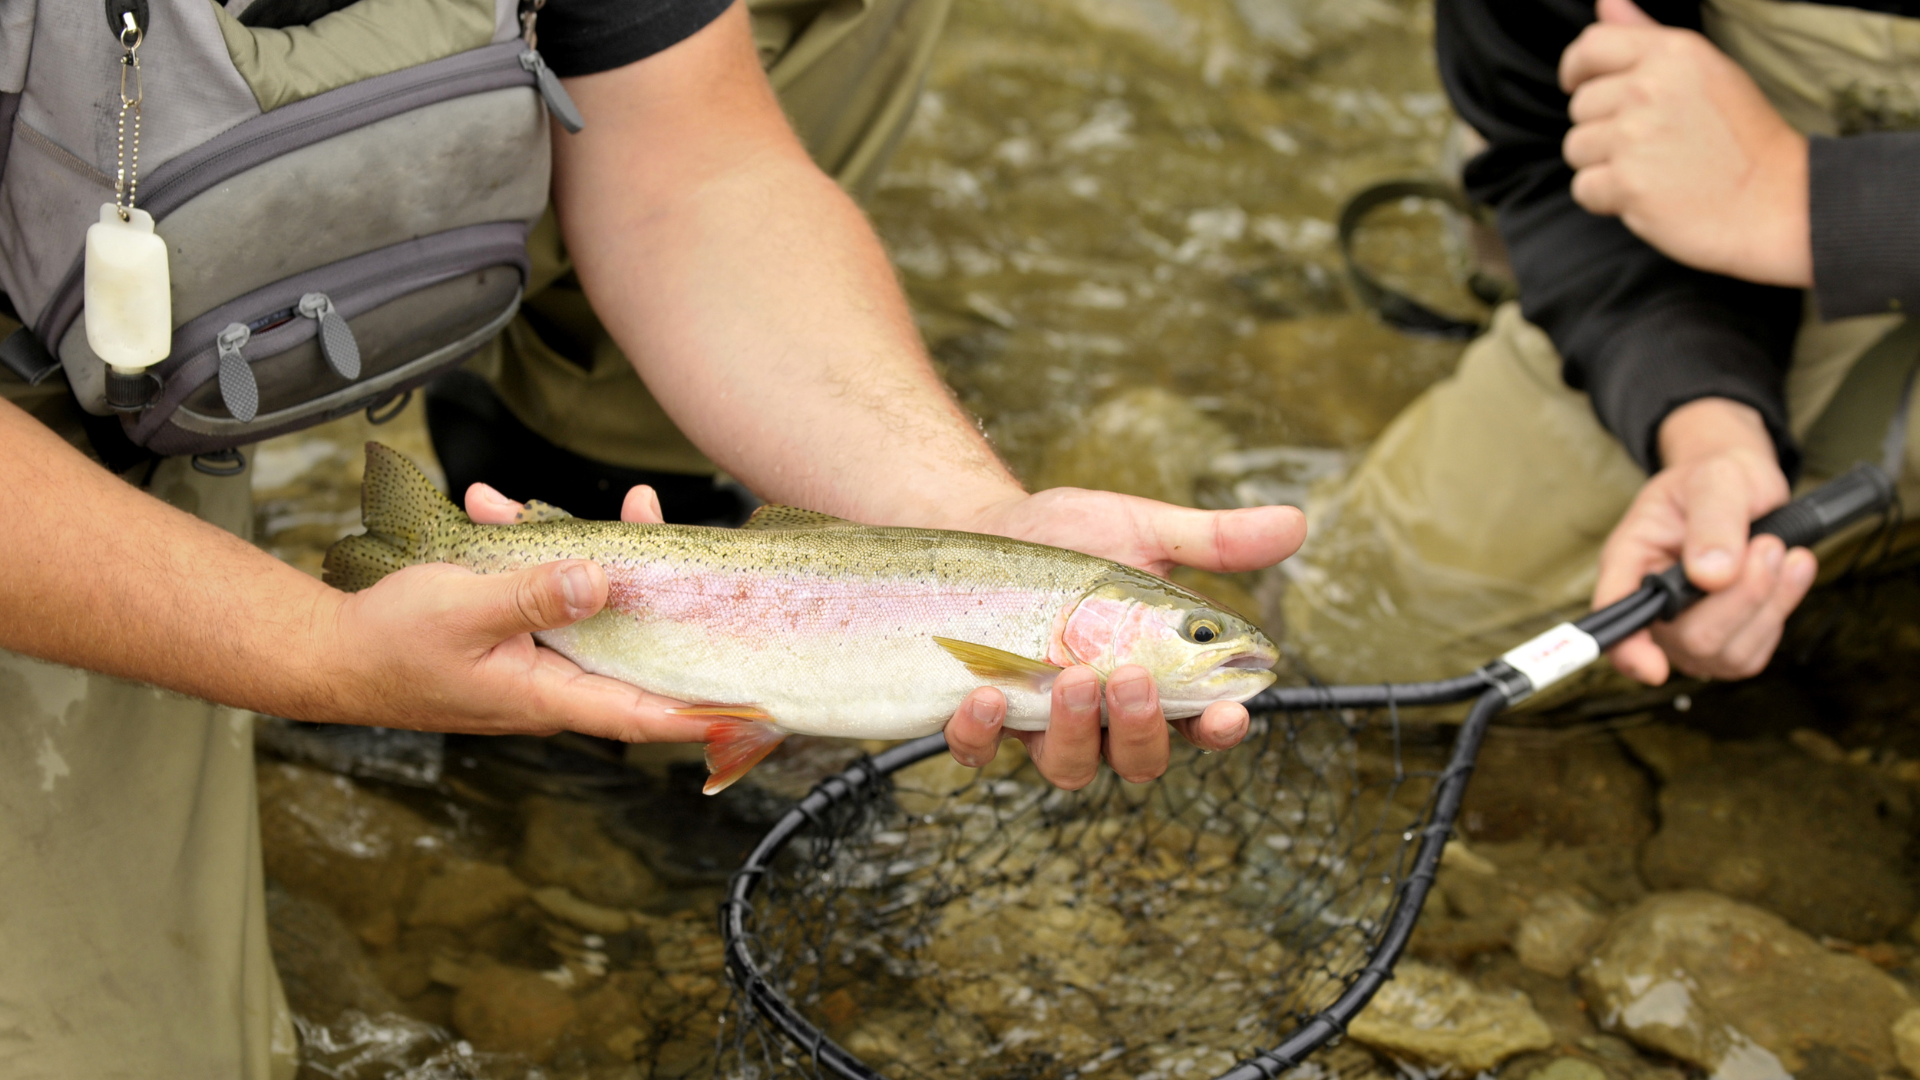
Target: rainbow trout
{"x": 804, "y": 623}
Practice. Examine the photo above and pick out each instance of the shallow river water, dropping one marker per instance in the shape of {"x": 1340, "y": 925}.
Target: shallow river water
{"x": 1115, "y": 219}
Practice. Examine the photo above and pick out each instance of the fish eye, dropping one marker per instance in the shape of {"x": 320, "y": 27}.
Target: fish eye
{"x": 1202, "y": 629}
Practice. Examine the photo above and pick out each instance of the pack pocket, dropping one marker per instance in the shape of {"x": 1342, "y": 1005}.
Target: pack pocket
{"x": 333, "y": 340}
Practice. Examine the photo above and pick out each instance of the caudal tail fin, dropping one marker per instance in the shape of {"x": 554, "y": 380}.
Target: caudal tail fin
{"x": 403, "y": 513}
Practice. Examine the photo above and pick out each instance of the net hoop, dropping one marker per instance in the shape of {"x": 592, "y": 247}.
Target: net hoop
{"x": 1410, "y": 892}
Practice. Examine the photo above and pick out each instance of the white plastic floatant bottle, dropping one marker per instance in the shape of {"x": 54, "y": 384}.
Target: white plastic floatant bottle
{"x": 129, "y": 303}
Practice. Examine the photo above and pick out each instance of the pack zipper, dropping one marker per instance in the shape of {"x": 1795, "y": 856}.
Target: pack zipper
{"x": 559, "y": 102}
{"x": 336, "y": 337}
{"x": 240, "y": 391}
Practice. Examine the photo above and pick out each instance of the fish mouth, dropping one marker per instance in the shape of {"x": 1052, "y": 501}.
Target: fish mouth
{"x": 1251, "y": 662}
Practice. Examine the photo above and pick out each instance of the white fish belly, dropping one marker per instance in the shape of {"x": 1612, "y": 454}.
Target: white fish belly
{"x": 854, "y": 660}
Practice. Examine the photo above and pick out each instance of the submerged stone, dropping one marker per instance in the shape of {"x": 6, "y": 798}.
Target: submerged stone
{"x": 565, "y": 845}
{"x": 362, "y": 854}
{"x": 1821, "y": 843}
{"x": 1433, "y": 1016}
{"x": 1557, "y": 933}
{"x": 1906, "y": 1041}
{"x": 513, "y": 1010}
{"x": 466, "y": 893}
{"x": 320, "y": 962}
{"x": 1736, "y": 991}
{"x": 1146, "y": 441}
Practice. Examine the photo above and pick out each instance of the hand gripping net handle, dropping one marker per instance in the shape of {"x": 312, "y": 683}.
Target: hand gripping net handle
{"x": 1864, "y": 491}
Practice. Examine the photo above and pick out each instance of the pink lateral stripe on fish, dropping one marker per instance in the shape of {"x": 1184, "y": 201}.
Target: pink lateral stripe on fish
{"x": 803, "y": 623}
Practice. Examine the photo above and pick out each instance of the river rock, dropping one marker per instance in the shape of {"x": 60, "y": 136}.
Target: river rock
{"x": 513, "y": 1010}
{"x": 1145, "y": 441}
{"x": 1821, "y": 843}
{"x": 325, "y": 837}
{"x": 592, "y": 918}
{"x": 1571, "y": 792}
{"x": 321, "y": 965}
{"x": 1433, "y": 1016}
{"x": 1906, "y": 1041}
{"x": 1557, "y": 933}
{"x": 1349, "y": 403}
{"x": 564, "y": 845}
{"x": 466, "y": 893}
{"x": 1738, "y": 992}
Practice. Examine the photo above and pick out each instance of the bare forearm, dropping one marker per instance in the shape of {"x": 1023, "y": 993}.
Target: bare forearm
{"x": 100, "y": 575}
{"x": 753, "y": 297}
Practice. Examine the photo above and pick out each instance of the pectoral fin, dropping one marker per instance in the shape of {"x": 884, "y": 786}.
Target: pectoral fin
{"x": 737, "y": 740}
{"x": 1001, "y": 667}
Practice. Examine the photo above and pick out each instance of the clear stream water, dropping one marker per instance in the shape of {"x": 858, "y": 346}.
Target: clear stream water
{"x": 1115, "y": 220}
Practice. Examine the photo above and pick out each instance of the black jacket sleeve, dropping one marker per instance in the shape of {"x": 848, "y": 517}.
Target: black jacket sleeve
{"x": 1641, "y": 334}
{"x": 1864, "y": 210}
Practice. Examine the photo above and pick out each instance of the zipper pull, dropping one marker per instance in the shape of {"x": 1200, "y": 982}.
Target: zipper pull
{"x": 555, "y": 95}
{"x": 336, "y": 337}
{"x": 237, "y": 386}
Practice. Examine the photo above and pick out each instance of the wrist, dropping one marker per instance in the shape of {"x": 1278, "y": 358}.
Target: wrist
{"x": 1787, "y": 257}
{"x": 324, "y": 677}
{"x": 1711, "y": 427}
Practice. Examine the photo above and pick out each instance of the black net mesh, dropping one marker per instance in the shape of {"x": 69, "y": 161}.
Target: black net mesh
{"x": 943, "y": 923}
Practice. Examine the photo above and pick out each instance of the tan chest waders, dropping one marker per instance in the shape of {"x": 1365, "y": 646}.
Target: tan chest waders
{"x": 343, "y": 205}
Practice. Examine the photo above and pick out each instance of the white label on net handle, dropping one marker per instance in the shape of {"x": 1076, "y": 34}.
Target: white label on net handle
{"x": 1554, "y": 655}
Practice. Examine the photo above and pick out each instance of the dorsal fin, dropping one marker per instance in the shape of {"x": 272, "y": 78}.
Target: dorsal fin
{"x": 534, "y": 510}
{"x": 788, "y": 518}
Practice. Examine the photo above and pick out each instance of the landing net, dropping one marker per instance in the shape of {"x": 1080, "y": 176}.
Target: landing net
{"x": 920, "y": 920}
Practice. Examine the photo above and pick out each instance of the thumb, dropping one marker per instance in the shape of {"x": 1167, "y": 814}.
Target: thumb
{"x": 537, "y": 598}
{"x": 1623, "y": 13}
{"x": 1716, "y": 504}
{"x": 1229, "y": 541}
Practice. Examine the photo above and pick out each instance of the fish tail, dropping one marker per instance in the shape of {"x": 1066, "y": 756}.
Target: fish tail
{"x": 403, "y": 513}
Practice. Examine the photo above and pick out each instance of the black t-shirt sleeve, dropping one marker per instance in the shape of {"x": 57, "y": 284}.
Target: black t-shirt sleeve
{"x": 581, "y": 37}
{"x": 1641, "y": 334}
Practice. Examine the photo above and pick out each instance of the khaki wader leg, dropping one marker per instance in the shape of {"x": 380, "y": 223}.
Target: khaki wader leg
{"x": 1473, "y": 520}
{"x": 132, "y": 917}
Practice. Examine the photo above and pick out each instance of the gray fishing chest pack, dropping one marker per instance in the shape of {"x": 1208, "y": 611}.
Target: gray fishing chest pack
{"x": 344, "y": 201}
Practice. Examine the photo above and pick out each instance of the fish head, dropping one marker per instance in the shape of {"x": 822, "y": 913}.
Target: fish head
{"x": 1197, "y": 652}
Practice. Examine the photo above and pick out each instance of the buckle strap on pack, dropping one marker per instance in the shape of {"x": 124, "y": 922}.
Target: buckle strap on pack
{"x": 23, "y": 355}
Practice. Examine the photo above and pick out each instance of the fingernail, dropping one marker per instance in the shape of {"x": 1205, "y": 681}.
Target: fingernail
{"x": 1713, "y": 561}
{"x": 577, "y": 586}
{"x": 1802, "y": 573}
{"x": 1774, "y": 555}
{"x": 985, "y": 711}
{"x": 1084, "y": 695}
{"x": 1132, "y": 693}
{"x": 1239, "y": 731}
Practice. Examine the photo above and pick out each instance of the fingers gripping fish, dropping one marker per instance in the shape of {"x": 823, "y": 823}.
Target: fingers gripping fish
{"x": 804, "y": 623}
